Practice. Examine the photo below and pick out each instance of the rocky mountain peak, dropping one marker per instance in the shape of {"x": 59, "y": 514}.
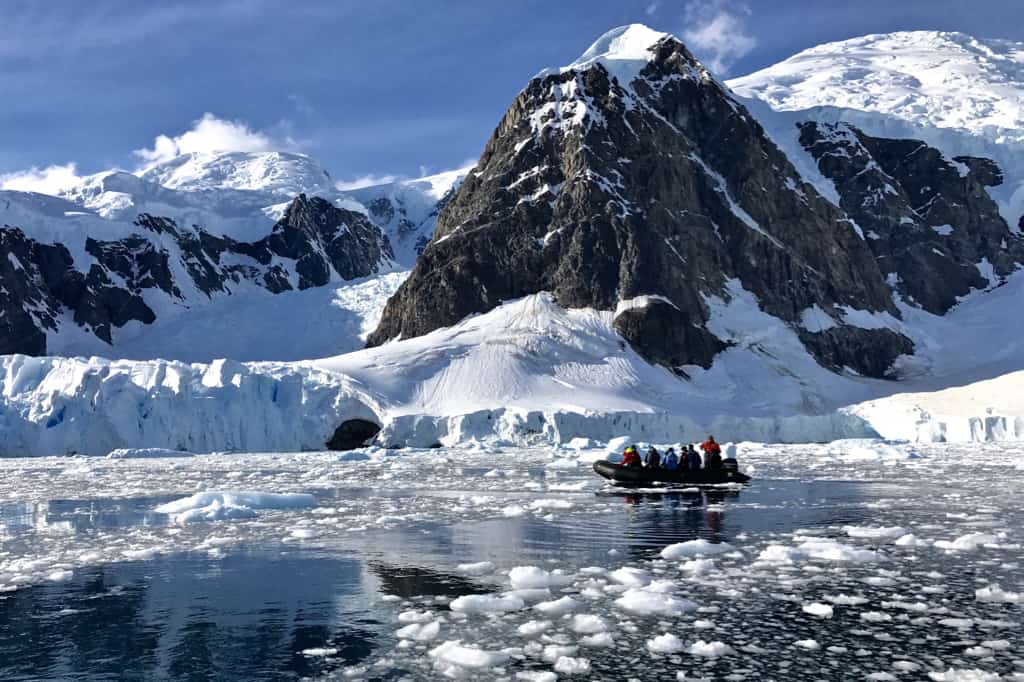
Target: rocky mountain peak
{"x": 630, "y": 175}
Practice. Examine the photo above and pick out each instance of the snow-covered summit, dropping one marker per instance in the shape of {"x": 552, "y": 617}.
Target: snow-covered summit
{"x": 624, "y": 51}
{"x": 275, "y": 172}
{"x": 926, "y": 78}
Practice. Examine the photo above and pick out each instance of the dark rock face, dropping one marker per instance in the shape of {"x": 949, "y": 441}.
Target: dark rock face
{"x": 600, "y": 191}
{"x": 867, "y": 351}
{"x": 314, "y": 243}
{"x": 352, "y": 434}
{"x": 927, "y": 218}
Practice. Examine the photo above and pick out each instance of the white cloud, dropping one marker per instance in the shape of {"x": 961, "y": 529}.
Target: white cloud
{"x": 49, "y": 180}
{"x": 651, "y": 9}
{"x": 212, "y": 134}
{"x": 365, "y": 181}
{"x": 717, "y": 33}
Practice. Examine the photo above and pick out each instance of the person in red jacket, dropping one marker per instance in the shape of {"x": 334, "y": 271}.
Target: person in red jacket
{"x": 712, "y": 453}
{"x": 631, "y": 458}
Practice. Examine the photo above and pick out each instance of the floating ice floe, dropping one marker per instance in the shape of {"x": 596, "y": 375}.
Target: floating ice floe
{"x": 995, "y": 593}
{"x": 875, "y": 533}
{"x": 710, "y": 649}
{"x": 527, "y": 577}
{"x": 665, "y": 644}
{"x": 968, "y": 543}
{"x": 557, "y": 607}
{"x": 478, "y": 568}
{"x": 825, "y": 550}
{"x": 818, "y": 609}
{"x": 454, "y": 653}
{"x": 647, "y": 603}
{"x": 588, "y": 624}
{"x": 420, "y": 632}
{"x": 964, "y": 675}
{"x": 147, "y": 453}
{"x": 695, "y": 548}
{"x": 486, "y": 603}
{"x": 219, "y": 506}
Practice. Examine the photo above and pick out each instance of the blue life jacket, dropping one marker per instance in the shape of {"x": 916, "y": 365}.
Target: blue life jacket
{"x": 671, "y": 461}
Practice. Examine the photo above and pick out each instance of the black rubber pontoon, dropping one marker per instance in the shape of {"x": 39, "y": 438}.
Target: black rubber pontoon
{"x": 640, "y": 476}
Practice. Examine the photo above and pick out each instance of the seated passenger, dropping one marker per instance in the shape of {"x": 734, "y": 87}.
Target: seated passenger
{"x": 671, "y": 462}
{"x": 653, "y": 459}
{"x": 630, "y": 457}
{"x": 693, "y": 462}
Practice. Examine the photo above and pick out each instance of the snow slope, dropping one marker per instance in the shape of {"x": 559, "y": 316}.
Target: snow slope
{"x": 407, "y": 209}
{"x": 961, "y": 94}
{"x": 252, "y": 326}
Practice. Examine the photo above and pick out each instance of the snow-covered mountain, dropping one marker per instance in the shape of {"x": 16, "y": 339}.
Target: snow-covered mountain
{"x": 633, "y": 172}
{"x": 638, "y": 251}
{"x": 961, "y": 94}
{"x": 217, "y": 231}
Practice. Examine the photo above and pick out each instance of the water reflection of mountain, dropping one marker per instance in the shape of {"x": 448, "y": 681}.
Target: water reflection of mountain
{"x": 78, "y": 515}
{"x": 246, "y": 616}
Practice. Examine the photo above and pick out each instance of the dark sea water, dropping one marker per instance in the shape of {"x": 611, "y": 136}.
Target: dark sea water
{"x": 260, "y": 607}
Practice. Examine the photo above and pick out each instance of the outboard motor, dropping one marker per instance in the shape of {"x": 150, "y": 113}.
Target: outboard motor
{"x": 730, "y": 464}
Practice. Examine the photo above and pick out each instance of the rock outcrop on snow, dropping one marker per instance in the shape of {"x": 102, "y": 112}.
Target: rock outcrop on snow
{"x": 927, "y": 217}
{"x": 633, "y": 174}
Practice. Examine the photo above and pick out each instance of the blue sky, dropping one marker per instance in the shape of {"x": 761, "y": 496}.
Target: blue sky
{"x": 375, "y": 88}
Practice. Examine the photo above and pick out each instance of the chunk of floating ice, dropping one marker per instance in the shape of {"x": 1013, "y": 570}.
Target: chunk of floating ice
{"x": 809, "y": 644}
{"x": 537, "y": 676}
{"x": 875, "y": 617}
{"x": 530, "y": 595}
{"x": 553, "y": 652}
{"x": 60, "y": 576}
{"x": 881, "y": 677}
{"x": 699, "y": 566}
{"x": 845, "y": 599}
{"x": 479, "y": 568}
{"x": 995, "y": 593}
{"x": 526, "y": 577}
{"x": 588, "y": 624}
{"x": 558, "y": 607}
{"x": 320, "y": 652}
{"x": 875, "y": 533}
{"x": 819, "y": 610}
{"x": 824, "y": 550}
{"x": 455, "y": 653}
{"x": 646, "y": 603}
{"x": 532, "y": 628}
{"x": 420, "y": 632}
{"x": 547, "y": 504}
{"x": 909, "y": 540}
{"x": 415, "y": 617}
{"x": 513, "y": 510}
{"x": 967, "y": 543}
{"x": 964, "y": 675}
{"x": 601, "y": 639}
{"x": 665, "y": 644}
{"x": 147, "y": 453}
{"x": 710, "y": 649}
{"x": 486, "y": 603}
{"x": 633, "y": 577}
{"x": 568, "y": 665}
{"x": 694, "y": 548}
{"x": 219, "y": 505}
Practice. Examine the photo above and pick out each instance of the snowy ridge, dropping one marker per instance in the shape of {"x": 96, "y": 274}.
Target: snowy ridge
{"x": 961, "y": 94}
{"x": 623, "y": 51}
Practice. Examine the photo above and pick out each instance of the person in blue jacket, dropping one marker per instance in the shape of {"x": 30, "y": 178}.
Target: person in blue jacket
{"x": 671, "y": 461}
